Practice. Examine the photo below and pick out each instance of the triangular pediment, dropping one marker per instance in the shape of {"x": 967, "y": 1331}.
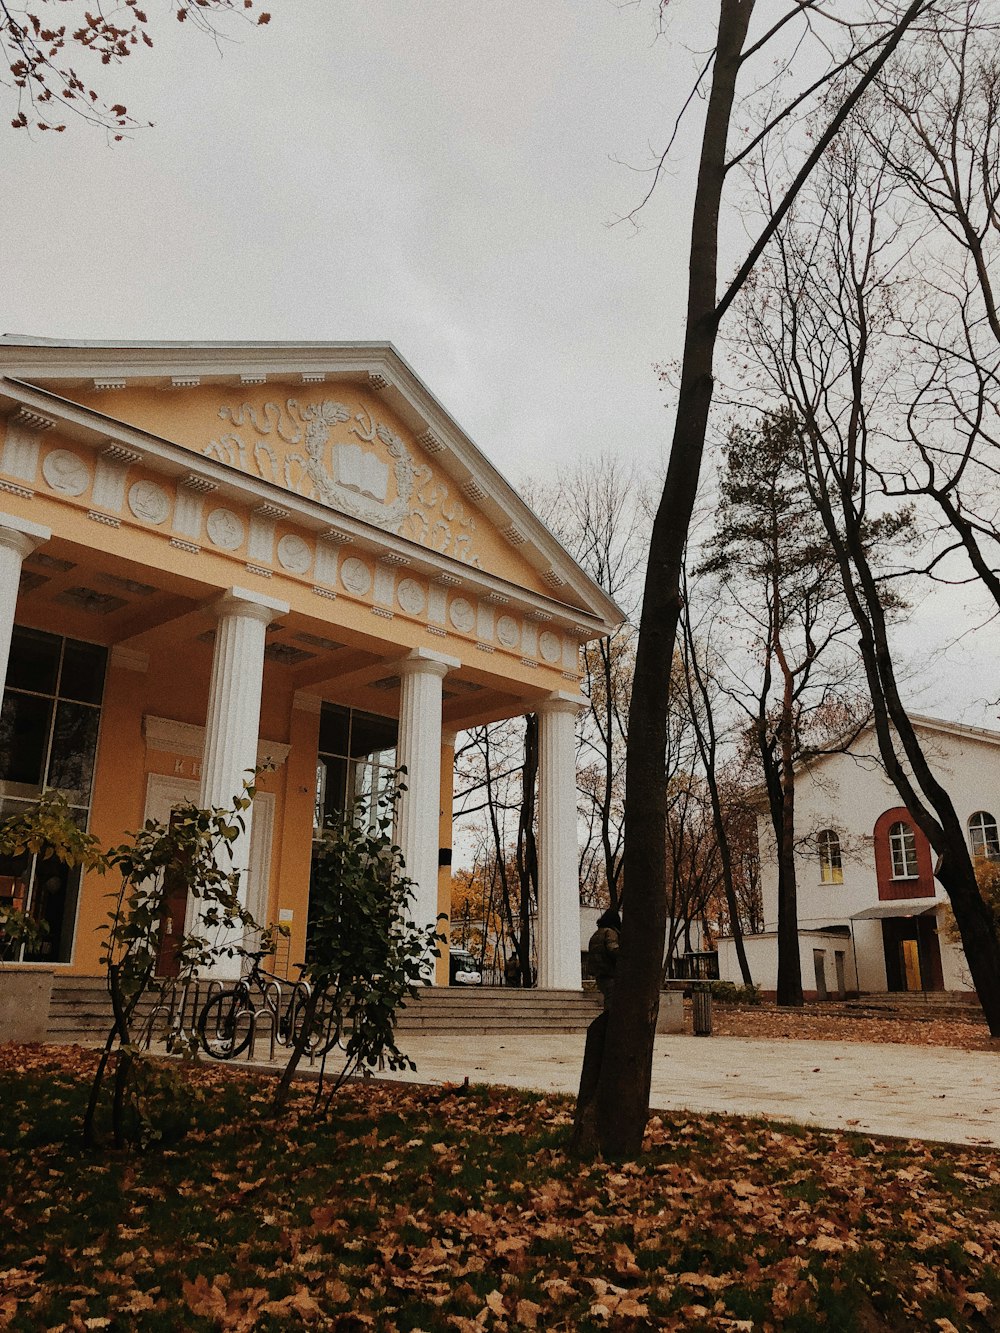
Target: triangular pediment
{"x": 348, "y": 427}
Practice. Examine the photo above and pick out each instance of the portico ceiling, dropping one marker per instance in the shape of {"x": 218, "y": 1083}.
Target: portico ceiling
{"x": 95, "y": 597}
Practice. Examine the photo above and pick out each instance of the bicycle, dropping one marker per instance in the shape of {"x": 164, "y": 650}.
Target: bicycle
{"x": 226, "y": 1023}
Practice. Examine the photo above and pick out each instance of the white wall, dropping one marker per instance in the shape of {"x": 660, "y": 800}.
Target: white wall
{"x": 762, "y": 956}
{"x": 848, "y": 793}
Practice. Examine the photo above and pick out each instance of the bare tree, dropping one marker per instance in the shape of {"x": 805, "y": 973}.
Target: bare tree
{"x": 940, "y": 143}
{"x": 838, "y": 279}
{"x": 614, "y": 1118}
{"x": 497, "y": 769}
{"x": 701, "y": 696}
{"x": 597, "y": 511}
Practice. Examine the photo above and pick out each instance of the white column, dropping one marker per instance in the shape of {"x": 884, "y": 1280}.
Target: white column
{"x": 558, "y": 932}
{"x": 18, "y": 538}
{"x": 233, "y": 721}
{"x": 419, "y": 752}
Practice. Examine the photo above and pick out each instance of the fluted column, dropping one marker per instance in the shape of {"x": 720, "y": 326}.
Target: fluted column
{"x": 18, "y": 538}
{"x": 558, "y": 932}
{"x": 419, "y": 752}
{"x": 233, "y": 721}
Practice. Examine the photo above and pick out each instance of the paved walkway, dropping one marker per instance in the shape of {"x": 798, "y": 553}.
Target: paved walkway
{"x": 920, "y": 1092}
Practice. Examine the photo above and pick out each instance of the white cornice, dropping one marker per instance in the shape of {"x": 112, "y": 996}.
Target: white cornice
{"x": 99, "y": 430}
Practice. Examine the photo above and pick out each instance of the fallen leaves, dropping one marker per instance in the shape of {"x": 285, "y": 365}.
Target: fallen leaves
{"x": 466, "y": 1209}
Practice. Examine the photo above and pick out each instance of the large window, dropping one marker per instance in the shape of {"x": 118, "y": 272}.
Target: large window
{"x": 356, "y": 763}
{"x": 357, "y": 758}
{"x": 831, "y": 869}
{"x": 49, "y": 723}
{"x": 903, "y": 850}
{"x": 984, "y": 836}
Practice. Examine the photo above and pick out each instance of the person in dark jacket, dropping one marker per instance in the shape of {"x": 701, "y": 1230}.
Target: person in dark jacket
{"x": 602, "y": 953}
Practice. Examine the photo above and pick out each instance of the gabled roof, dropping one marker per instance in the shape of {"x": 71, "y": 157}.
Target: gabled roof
{"x": 758, "y": 796}
{"x": 31, "y": 366}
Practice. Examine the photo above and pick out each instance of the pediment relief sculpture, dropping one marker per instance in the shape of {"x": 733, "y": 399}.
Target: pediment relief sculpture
{"x": 350, "y": 461}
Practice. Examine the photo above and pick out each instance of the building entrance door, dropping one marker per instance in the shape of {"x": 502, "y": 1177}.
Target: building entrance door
{"x": 909, "y": 962}
{"x": 912, "y": 954}
{"x": 819, "y": 966}
{"x": 162, "y": 794}
{"x": 839, "y": 959}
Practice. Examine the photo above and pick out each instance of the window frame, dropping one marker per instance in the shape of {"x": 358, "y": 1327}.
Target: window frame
{"x": 901, "y": 837}
{"x": 831, "y": 861}
{"x": 989, "y": 835}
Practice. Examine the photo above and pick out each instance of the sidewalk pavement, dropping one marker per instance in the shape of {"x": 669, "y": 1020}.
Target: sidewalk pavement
{"x": 918, "y": 1092}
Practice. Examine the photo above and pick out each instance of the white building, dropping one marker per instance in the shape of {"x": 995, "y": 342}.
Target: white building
{"x": 871, "y": 913}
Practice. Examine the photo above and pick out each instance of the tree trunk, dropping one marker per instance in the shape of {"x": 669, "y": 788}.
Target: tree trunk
{"x": 789, "y": 989}
{"x": 626, "y": 1070}
{"x": 527, "y": 850}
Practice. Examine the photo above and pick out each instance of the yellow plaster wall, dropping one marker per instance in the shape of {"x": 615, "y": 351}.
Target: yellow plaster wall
{"x": 176, "y": 687}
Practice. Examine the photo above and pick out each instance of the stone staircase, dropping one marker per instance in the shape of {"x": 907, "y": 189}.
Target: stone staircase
{"x": 80, "y": 1010}
{"x": 913, "y": 1004}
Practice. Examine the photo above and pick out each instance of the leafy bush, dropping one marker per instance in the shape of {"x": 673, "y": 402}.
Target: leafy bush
{"x": 195, "y": 848}
{"x": 727, "y": 992}
{"x": 366, "y": 956}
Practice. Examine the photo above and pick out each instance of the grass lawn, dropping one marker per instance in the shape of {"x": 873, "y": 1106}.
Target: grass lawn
{"x": 429, "y": 1208}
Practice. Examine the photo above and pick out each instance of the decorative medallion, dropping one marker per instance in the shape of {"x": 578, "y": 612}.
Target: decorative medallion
{"x": 350, "y": 461}
{"x": 294, "y": 554}
{"x": 356, "y": 576}
{"x": 66, "y": 472}
{"x": 412, "y": 597}
{"x": 549, "y": 646}
{"x": 462, "y": 615}
{"x": 225, "y": 529}
{"x": 149, "y": 502}
{"x": 508, "y": 632}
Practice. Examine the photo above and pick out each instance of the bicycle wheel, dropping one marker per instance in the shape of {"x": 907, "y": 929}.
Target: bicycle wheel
{"x": 224, "y": 1024}
{"x": 324, "y": 1031}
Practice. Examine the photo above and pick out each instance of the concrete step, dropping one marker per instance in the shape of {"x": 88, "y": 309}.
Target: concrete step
{"x": 81, "y": 1010}
{"x": 913, "y": 1005}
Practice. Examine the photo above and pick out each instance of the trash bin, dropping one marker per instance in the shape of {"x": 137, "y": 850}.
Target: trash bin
{"x": 701, "y": 1006}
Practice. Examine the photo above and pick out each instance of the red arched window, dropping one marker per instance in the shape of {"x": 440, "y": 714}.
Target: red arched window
{"x": 903, "y": 861}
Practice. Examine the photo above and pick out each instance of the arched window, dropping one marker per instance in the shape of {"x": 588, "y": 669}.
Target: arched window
{"x": 903, "y": 850}
{"x": 984, "y": 835}
{"x": 831, "y": 869}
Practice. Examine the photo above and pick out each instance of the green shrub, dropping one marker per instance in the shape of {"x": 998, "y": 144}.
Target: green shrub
{"x": 727, "y": 992}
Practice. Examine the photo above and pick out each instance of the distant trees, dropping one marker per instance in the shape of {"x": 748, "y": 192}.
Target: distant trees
{"x": 496, "y": 778}
{"x": 43, "y": 44}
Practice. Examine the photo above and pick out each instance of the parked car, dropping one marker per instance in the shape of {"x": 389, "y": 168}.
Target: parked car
{"x": 463, "y": 970}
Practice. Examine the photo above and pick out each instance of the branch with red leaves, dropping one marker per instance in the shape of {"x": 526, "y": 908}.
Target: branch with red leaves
{"x": 39, "y": 54}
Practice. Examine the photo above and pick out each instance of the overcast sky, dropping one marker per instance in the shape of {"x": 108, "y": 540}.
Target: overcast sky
{"x": 440, "y": 173}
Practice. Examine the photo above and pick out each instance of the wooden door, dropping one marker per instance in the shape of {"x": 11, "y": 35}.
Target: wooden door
{"x": 910, "y": 965}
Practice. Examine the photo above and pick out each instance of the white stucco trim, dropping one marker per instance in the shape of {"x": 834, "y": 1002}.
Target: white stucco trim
{"x": 184, "y": 738}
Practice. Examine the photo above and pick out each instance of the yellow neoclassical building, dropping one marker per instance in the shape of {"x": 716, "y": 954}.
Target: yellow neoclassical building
{"x": 216, "y": 554}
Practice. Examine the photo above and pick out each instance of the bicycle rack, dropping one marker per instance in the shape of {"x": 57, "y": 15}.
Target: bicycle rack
{"x": 257, "y": 1016}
